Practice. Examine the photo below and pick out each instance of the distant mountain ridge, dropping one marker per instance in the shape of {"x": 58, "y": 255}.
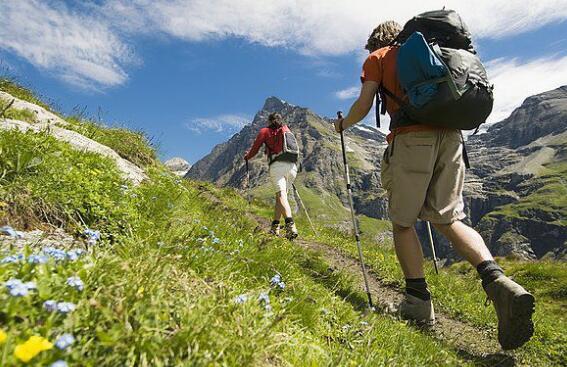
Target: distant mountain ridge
{"x": 508, "y": 166}
{"x": 321, "y": 161}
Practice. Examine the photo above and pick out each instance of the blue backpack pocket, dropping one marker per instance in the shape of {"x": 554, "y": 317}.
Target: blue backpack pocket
{"x": 420, "y": 70}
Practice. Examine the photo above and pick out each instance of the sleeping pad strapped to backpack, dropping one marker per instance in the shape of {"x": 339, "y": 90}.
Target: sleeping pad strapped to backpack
{"x": 444, "y": 80}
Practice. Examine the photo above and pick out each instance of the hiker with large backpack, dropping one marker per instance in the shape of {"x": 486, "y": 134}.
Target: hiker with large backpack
{"x": 282, "y": 152}
{"x": 432, "y": 84}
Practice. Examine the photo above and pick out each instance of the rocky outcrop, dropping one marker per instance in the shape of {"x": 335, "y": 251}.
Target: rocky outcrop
{"x": 52, "y": 124}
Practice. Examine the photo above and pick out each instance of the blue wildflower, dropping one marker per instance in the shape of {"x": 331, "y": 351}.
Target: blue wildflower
{"x": 50, "y": 305}
{"x": 76, "y": 283}
{"x": 74, "y": 255}
{"x": 65, "y": 341}
{"x": 66, "y": 307}
{"x": 264, "y": 299}
{"x": 92, "y": 236}
{"x": 61, "y": 307}
{"x": 276, "y": 281}
{"x": 241, "y": 299}
{"x": 55, "y": 253}
{"x": 59, "y": 363}
{"x": 216, "y": 240}
{"x": 37, "y": 259}
{"x": 9, "y": 231}
{"x": 13, "y": 259}
{"x": 19, "y": 289}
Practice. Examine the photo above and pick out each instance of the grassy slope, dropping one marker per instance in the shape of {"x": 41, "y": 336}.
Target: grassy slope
{"x": 161, "y": 284}
{"x": 550, "y": 198}
{"x": 457, "y": 289}
{"x": 158, "y": 291}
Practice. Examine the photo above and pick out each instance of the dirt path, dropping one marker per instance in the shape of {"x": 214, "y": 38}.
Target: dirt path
{"x": 471, "y": 343}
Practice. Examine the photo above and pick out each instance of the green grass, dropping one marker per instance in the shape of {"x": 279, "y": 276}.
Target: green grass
{"x": 161, "y": 284}
{"x": 134, "y": 146}
{"x": 457, "y": 292}
{"x": 17, "y": 113}
{"x": 550, "y": 198}
{"x": 9, "y": 86}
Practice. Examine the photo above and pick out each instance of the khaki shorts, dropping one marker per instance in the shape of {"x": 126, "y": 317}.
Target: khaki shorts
{"x": 282, "y": 175}
{"x": 424, "y": 173}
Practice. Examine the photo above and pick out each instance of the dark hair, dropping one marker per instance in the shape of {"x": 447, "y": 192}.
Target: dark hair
{"x": 382, "y": 35}
{"x": 275, "y": 119}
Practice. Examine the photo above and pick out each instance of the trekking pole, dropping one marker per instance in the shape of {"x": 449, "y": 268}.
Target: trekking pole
{"x": 432, "y": 247}
{"x": 248, "y": 183}
{"x": 304, "y": 209}
{"x": 354, "y": 223}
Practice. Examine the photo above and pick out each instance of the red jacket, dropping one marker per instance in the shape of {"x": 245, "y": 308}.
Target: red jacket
{"x": 273, "y": 138}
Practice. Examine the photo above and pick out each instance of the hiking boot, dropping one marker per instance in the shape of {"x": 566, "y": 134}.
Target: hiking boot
{"x": 275, "y": 229}
{"x": 415, "y": 309}
{"x": 514, "y": 307}
{"x": 291, "y": 231}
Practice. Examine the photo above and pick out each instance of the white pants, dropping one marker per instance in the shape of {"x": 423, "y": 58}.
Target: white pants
{"x": 283, "y": 174}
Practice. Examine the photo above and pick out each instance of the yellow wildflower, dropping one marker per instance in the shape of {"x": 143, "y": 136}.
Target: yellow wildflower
{"x": 3, "y": 336}
{"x": 32, "y": 347}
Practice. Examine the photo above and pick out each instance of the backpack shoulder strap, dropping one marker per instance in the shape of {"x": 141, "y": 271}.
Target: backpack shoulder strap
{"x": 398, "y": 100}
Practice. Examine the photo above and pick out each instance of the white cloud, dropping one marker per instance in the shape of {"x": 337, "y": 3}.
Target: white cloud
{"x": 514, "y": 81}
{"x": 348, "y": 93}
{"x": 88, "y": 43}
{"x": 317, "y": 27}
{"x": 79, "y": 48}
{"x": 227, "y": 123}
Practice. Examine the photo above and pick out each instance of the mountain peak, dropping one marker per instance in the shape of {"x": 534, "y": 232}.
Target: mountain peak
{"x": 275, "y": 104}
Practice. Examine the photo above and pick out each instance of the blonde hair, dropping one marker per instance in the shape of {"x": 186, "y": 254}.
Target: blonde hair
{"x": 383, "y": 35}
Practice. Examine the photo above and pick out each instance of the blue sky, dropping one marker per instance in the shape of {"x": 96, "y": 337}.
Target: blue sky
{"x": 191, "y": 73}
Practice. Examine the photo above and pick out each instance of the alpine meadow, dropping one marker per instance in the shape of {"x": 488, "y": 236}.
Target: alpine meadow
{"x": 404, "y": 205}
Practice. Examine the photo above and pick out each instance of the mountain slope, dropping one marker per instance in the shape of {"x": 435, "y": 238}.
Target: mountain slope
{"x": 509, "y": 164}
{"x": 521, "y": 164}
{"x": 321, "y": 162}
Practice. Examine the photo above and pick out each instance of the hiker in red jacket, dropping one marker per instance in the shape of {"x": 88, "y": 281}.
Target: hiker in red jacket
{"x": 423, "y": 173}
{"x": 282, "y": 167}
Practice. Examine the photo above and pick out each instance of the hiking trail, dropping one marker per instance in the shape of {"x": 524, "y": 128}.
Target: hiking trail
{"x": 474, "y": 344}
